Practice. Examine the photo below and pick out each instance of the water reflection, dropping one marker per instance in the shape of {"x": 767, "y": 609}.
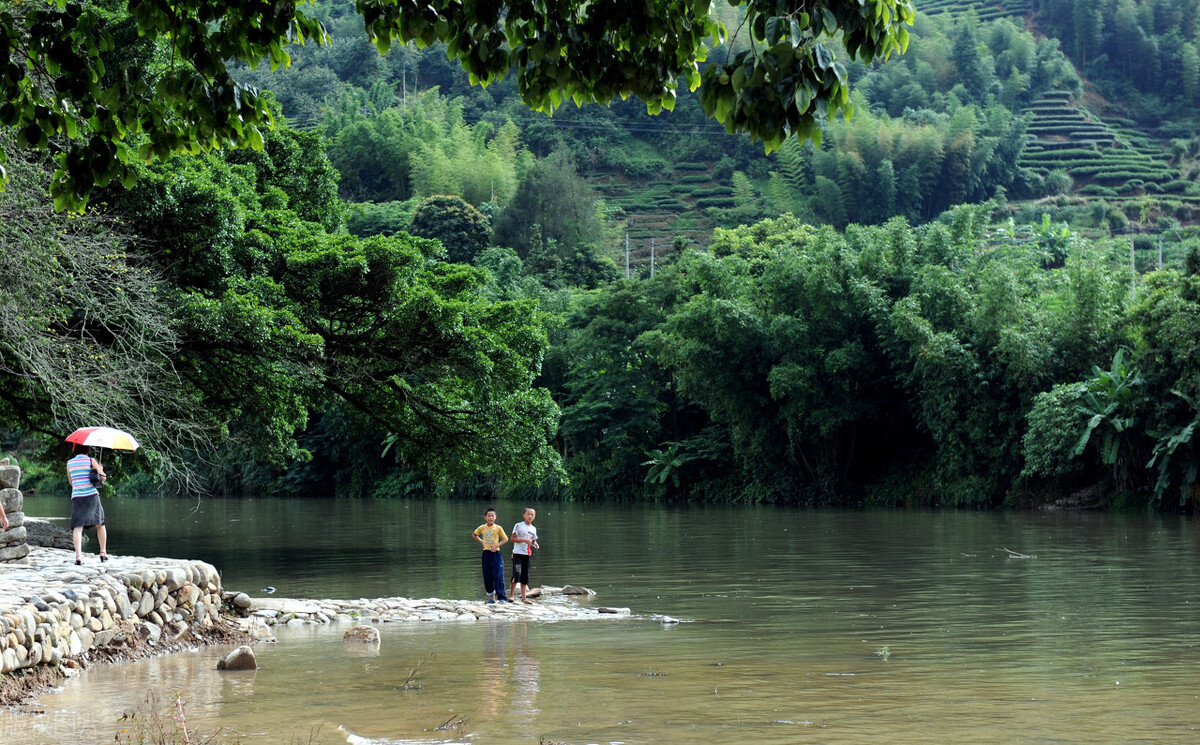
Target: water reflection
{"x": 526, "y": 674}
{"x": 492, "y": 671}
{"x": 1091, "y": 640}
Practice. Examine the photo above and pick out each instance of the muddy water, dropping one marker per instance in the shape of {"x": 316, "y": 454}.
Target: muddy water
{"x": 800, "y": 626}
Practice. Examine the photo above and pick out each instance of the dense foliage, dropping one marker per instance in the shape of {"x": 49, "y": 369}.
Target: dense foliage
{"x": 1146, "y": 50}
{"x": 268, "y": 315}
{"x": 186, "y": 101}
{"x": 413, "y": 290}
{"x": 797, "y": 364}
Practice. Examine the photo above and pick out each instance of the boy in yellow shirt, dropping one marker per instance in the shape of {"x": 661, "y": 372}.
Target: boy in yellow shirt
{"x": 491, "y": 536}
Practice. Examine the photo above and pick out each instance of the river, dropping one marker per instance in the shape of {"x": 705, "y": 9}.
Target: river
{"x": 799, "y": 626}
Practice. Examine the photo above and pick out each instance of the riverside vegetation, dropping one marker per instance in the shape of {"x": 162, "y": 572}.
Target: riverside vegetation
{"x": 415, "y": 286}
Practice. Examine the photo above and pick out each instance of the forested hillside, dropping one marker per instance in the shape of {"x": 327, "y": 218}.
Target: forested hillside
{"x": 419, "y": 286}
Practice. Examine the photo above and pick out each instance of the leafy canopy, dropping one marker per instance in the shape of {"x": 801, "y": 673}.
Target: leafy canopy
{"x": 58, "y": 78}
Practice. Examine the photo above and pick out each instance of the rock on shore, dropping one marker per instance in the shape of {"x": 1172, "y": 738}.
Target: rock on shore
{"x": 42, "y": 532}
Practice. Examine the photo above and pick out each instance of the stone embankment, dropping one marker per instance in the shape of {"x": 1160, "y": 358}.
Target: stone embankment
{"x": 52, "y": 610}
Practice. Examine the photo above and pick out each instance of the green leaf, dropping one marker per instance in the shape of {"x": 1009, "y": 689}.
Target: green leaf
{"x": 830, "y": 21}
{"x": 803, "y": 98}
{"x": 824, "y": 57}
{"x": 774, "y": 30}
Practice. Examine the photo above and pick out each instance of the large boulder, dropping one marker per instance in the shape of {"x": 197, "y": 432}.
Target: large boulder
{"x": 48, "y": 533}
{"x": 12, "y": 553}
{"x": 11, "y": 498}
{"x": 14, "y": 534}
{"x": 362, "y": 635}
{"x": 10, "y": 476}
{"x": 241, "y": 658}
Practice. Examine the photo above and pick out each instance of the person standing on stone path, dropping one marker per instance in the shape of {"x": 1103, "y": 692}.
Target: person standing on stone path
{"x": 491, "y": 536}
{"x": 86, "y": 510}
{"x": 524, "y": 541}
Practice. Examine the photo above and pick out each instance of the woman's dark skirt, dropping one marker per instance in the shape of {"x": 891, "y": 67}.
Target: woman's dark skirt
{"x": 86, "y": 512}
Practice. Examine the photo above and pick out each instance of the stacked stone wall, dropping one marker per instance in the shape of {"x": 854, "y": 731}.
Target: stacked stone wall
{"x": 13, "y": 546}
{"x": 114, "y": 608}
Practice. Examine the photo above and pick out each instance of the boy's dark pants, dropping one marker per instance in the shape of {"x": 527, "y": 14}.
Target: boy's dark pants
{"x": 493, "y": 573}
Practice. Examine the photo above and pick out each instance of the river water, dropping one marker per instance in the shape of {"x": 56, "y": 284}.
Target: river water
{"x": 800, "y": 626}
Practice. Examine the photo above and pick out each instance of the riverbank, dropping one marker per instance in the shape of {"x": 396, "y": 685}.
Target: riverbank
{"x": 57, "y": 617}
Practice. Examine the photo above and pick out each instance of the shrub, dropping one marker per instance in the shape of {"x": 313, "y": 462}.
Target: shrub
{"x": 714, "y": 202}
{"x": 723, "y": 170}
{"x": 461, "y": 228}
{"x": 716, "y": 191}
{"x": 694, "y": 178}
{"x": 1058, "y": 181}
{"x": 635, "y": 166}
{"x": 365, "y": 219}
{"x": 1055, "y": 425}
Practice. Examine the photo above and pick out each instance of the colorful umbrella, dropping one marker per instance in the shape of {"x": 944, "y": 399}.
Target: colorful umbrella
{"x": 103, "y": 437}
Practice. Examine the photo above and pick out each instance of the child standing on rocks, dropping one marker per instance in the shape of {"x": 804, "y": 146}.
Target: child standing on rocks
{"x": 491, "y": 536}
{"x": 524, "y": 540}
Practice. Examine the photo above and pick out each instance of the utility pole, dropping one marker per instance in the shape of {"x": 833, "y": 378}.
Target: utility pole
{"x": 627, "y": 256}
{"x": 651, "y": 258}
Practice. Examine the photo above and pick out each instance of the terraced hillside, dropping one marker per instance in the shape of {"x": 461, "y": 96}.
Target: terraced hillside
{"x": 985, "y": 10}
{"x": 658, "y": 211}
{"x": 1101, "y": 160}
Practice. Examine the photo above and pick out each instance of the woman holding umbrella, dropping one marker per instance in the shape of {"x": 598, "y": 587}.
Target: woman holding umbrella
{"x": 86, "y": 510}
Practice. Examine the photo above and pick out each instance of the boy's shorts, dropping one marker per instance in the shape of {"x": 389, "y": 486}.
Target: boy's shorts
{"x": 520, "y": 569}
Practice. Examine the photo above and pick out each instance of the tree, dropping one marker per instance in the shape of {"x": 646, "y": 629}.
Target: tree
{"x": 1190, "y": 72}
{"x": 461, "y": 228}
{"x": 86, "y": 329}
{"x": 551, "y": 195}
{"x": 782, "y": 84}
{"x": 277, "y": 318}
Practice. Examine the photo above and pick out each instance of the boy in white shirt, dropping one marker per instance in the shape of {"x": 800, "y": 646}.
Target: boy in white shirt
{"x": 524, "y": 540}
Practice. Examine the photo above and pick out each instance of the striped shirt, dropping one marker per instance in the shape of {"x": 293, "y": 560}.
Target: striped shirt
{"x": 79, "y": 469}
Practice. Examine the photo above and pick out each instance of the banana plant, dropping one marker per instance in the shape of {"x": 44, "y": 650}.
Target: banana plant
{"x": 1168, "y": 446}
{"x": 1110, "y": 404}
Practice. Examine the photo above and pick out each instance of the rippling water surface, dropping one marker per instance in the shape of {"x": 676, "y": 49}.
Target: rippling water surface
{"x": 800, "y": 626}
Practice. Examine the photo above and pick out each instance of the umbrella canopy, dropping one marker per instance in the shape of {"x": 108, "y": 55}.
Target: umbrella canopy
{"x": 103, "y": 437}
